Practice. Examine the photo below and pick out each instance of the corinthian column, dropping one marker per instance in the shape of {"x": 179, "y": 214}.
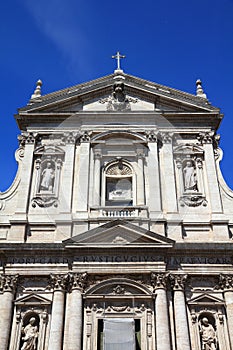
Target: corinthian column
{"x": 7, "y": 286}
{"x": 56, "y": 330}
{"x": 159, "y": 281}
{"x": 181, "y": 321}
{"x": 74, "y": 312}
{"x": 226, "y": 283}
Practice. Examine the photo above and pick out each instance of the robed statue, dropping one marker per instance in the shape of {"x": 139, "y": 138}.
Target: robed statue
{"x": 30, "y": 335}
{"x": 208, "y": 335}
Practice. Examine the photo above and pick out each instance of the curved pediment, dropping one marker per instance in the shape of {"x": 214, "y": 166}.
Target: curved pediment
{"x": 188, "y": 149}
{"x": 118, "y": 286}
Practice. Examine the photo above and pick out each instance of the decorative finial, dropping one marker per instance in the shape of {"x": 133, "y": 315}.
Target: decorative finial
{"x": 118, "y": 56}
{"x": 200, "y": 91}
{"x": 37, "y": 92}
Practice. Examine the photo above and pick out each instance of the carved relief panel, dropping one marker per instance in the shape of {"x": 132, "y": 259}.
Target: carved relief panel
{"x": 190, "y": 178}
{"x": 48, "y": 164}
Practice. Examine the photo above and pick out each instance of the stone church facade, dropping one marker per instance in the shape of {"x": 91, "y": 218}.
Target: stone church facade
{"x": 117, "y": 230}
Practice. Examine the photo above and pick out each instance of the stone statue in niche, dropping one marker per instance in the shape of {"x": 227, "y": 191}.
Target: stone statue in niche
{"x": 190, "y": 176}
{"x": 208, "y": 335}
{"x": 47, "y": 178}
{"x": 30, "y": 335}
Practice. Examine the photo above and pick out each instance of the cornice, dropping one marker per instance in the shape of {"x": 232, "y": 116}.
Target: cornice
{"x": 131, "y": 82}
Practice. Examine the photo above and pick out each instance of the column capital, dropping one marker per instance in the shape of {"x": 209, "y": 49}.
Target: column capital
{"x": 97, "y": 153}
{"x": 70, "y": 137}
{"x": 226, "y": 282}
{"x": 85, "y": 136}
{"x": 8, "y": 283}
{"x": 205, "y": 137}
{"x": 178, "y": 281}
{"x": 59, "y": 282}
{"x": 166, "y": 137}
{"x": 27, "y": 137}
{"x": 159, "y": 280}
{"x": 78, "y": 281}
{"x": 151, "y": 136}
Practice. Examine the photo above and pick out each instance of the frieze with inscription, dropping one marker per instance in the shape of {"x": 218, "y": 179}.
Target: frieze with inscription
{"x": 172, "y": 261}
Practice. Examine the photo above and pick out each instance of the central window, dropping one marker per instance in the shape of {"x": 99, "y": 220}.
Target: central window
{"x": 119, "y": 191}
{"x": 119, "y": 333}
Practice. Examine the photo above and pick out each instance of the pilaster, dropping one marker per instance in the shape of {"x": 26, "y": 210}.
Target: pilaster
{"x": 68, "y": 169}
{"x": 168, "y": 187}
{"x": 206, "y": 139}
{"x": 96, "y": 177}
{"x": 83, "y": 176}
{"x": 154, "y": 200}
{"x": 28, "y": 142}
{"x": 140, "y": 178}
{"x": 226, "y": 283}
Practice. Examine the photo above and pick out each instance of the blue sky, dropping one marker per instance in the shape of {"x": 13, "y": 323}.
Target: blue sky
{"x": 66, "y": 42}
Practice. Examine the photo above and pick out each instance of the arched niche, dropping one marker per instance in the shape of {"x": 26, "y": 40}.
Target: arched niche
{"x": 122, "y": 300}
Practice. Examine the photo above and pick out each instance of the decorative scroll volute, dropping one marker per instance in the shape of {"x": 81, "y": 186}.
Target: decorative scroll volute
{"x": 178, "y": 281}
{"x": 59, "y": 282}
{"x": 78, "y": 281}
{"x": 226, "y": 282}
{"x": 8, "y": 283}
{"x": 159, "y": 280}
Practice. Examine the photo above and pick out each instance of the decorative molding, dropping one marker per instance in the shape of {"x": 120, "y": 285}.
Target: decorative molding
{"x": 78, "y": 281}
{"x": 118, "y": 101}
{"x": 193, "y": 200}
{"x": 27, "y": 137}
{"x": 59, "y": 282}
{"x": 151, "y": 136}
{"x": 159, "y": 280}
{"x": 205, "y": 137}
{"x": 119, "y": 290}
{"x": 85, "y": 136}
{"x": 226, "y": 282}
{"x": 118, "y": 169}
{"x": 166, "y": 137}
{"x": 8, "y": 283}
{"x": 2, "y": 204}
{"x": 178, "y": 281}
{"x": 70, "y": 137}
{"x": 45, "y": 202}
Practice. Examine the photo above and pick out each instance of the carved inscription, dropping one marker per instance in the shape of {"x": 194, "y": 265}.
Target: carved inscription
{"x": 120, "y": 258}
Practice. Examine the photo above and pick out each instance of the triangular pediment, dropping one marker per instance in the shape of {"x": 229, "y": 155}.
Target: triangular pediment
{"x": 33, "y": 299}
{"x": 205, "y": 299}
{"x": 119, "y": 233}
{"x": 141, "y": 95}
